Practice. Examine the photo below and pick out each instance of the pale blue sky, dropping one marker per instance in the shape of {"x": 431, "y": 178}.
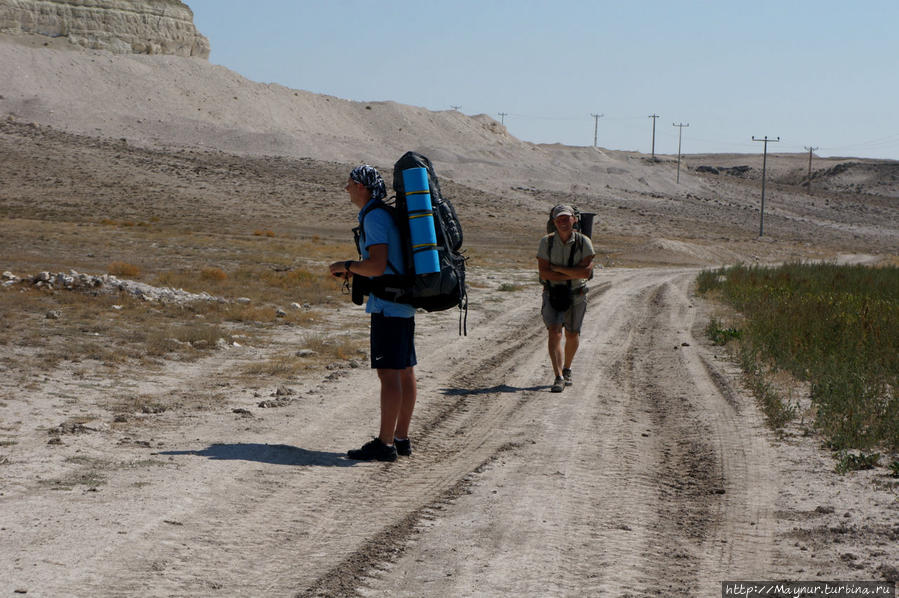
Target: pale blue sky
{"x": 821, "y": 73}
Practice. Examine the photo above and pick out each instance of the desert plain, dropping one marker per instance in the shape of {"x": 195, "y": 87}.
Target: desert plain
{"x": 196, "y": 447}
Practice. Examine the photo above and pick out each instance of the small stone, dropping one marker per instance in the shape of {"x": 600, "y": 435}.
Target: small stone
{"x": 243, "y": 300}
{"x": 54, "y": 314}
{"x": 306, "y": 353}
{"x": 889, "y": 573}
{"x": 276, "y": 403}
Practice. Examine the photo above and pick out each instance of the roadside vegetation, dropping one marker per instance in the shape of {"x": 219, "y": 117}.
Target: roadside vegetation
{"x": 257, "y": 283}
{"x": 834, "y": 329}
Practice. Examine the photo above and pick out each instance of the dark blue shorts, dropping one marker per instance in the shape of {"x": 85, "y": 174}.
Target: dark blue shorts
{"x": 392, "y": 342}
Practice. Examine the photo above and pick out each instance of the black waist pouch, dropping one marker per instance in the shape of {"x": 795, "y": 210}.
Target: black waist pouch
{"x": 560, "y": 297}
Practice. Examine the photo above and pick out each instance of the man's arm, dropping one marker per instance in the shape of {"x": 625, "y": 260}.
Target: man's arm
{"x": 562, "y": 273}
{"x": 374, "y": 265}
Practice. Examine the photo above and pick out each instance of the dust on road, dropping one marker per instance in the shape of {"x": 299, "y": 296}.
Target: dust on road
{"x": 653, "y": 475}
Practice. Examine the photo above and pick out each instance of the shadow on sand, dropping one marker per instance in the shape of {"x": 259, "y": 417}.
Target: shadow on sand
{"x": 274, "y": 454}
{"x": 499, "y": 388}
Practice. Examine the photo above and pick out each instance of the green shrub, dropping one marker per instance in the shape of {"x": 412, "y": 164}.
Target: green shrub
{"x": 836, "y": 327}
{"x": 721, "y": 335}
{"x": 847, "y": 462}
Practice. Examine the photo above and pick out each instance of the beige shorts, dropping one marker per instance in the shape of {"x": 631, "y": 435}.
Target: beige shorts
{"x": 571, "y": 319}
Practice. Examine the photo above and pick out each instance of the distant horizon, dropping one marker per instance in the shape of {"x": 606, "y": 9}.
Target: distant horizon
{"x": 817, "y": 74}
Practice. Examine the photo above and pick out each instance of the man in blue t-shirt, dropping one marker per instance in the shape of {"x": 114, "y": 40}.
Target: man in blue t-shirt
{"x": 392, "y": 324}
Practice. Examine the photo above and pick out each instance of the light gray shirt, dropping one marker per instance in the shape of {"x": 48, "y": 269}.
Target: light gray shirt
{"x": 562, "y": 251}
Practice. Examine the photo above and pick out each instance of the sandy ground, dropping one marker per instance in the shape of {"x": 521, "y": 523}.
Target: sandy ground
{"x": 654, "y": 475}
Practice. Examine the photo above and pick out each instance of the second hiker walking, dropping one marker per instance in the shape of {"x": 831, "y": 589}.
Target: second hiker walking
{"x": 565, "y": 263}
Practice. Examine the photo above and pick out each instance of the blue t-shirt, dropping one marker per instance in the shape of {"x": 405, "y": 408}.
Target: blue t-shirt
{"x": 379, "y": 229}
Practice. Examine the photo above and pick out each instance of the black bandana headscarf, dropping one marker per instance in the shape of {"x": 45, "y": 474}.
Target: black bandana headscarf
{"x": 371, "y": 178}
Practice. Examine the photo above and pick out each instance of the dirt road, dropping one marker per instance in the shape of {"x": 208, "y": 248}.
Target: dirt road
{"x": 652, "y": 474}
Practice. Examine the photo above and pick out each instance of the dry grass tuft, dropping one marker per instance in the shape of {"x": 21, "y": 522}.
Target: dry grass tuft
{"x": 334, "y": 346}
{"x": 282, "y": 365}
{"x": 214, "y": 274}
{"x": 123, "y": 269}
{"x": 186, "y": 338}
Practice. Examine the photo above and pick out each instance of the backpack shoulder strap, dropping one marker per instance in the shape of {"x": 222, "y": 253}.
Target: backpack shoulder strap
{"x": 359, "y": 231}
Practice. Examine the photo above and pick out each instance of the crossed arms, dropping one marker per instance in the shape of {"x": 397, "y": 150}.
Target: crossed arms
{"x": 554, "y": 273}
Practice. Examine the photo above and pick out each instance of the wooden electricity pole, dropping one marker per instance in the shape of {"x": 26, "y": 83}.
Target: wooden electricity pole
{"x": 810, "y": 150}
{"x": 680, "y": 127}
{"x": 653, "y": 117}
{"x": 596, "y": 118}
{"x": 502, "y": 116}
{"x": 764, "y": 169}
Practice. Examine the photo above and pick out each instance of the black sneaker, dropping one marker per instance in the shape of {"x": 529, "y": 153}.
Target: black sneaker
{"x": 558, "y": 384}
{"x": 403, "y": 447}
{"x": 373, "y": 451}
{"x": 566, "y": 373}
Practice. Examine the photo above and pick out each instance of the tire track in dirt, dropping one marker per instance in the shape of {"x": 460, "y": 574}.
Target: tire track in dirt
{"x": 608, "y": 488}
{"x": 260, "y": 507}
{"x": 458, "y": 441}
{"x": 657, "y": 487}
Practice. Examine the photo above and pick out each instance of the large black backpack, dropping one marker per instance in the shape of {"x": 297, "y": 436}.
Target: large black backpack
{"x": 435, "y": 291}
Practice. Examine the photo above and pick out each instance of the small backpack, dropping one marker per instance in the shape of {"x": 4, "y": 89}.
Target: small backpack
{"x": 441, "y": 284}
{"x": 583, "y": 222}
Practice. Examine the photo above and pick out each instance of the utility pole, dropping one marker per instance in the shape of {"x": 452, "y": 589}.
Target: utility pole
{"x": 764, "y": 170}
{"x": 810, "y": 150}
{"x": 502, "y": 116}
{"x": 680, "y": 127}
{"x": 596, "y": 118}
{"x": 455, "y": 107}
{"x": 653, "y": 117}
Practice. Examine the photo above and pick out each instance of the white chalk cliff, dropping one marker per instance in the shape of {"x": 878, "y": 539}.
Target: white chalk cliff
{"x": 119, "y": 26}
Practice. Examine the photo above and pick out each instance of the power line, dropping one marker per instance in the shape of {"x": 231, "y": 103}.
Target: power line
{"x": 653, "y": 117}
{"x": 764, "y": 168}
{"x": 872, "y": 142}
{"x": 539, "y": 117}
{"x": 885, "y": 142}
